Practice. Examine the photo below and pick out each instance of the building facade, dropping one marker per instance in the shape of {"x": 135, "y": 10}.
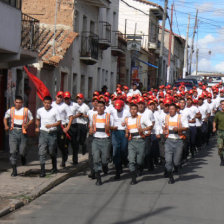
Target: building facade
{"x": 140, "y": 19}
{"x": 18, "y": 47}
{"x": 177, "y": 57}
{"x": 76, "y": 56}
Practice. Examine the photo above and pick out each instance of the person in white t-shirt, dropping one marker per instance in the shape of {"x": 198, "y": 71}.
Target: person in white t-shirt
{"x": 100, "y": 129}
{"x": 90, "y": 114}
{"x": 20, "y": 119}
{"x": 205, "y": 114}
{"x": 72, "y": 130}
{"x": 81, "y": 120}
{"x": 147, "y": 114}
{"x": 134, "y": 91}
{"x": 136, "y": 127}
{"x": 175, "y": 125}
{"x": 119, "y": 142}
{"x": 47, "y": 121}
{"x": 66, "y": 121}
{"x": 194, "y": 114}
{"x": 212, "y": 106}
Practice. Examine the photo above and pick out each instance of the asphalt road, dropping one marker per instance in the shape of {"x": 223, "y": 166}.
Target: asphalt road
{"x": 197, "y": 197}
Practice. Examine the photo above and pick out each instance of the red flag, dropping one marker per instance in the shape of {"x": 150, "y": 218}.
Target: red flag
{"x": 42, "y": 90}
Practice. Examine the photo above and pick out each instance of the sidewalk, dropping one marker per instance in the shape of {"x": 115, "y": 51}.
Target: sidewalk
{"x": 18, "y": 191}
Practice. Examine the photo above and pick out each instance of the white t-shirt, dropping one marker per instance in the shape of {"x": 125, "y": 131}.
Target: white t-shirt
{"x": 48, "y": 117}
{"x": 204, "y": 110}
{"x": 102, "y": 126}
{"x": 212, "y": 107}
{"x": 18, "y": 113}
{"x": 119, "y": 118}
{"x": 184, "y": 124}
{"x": 148, "y": 115}
{"x": 193, "y": 111}
{"x": 90, "y": 115}
{"x": 63, "y": 110}
{"x": 83, "y": 108}
{"x": 144, "y": 124}
{"x": 161, "y": 122}
{"x": 73, "y": 107}
{"x": 134, "y": 92}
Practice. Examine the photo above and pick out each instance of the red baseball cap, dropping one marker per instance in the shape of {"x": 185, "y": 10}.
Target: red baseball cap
{"x": 119, "y": 104}
{"x": 67, "y": 94}
{"x": 107, "y": 94}
{"x": 201, "y": 97}
{"x": 60, "y": 93}
{"x": 95, "y": 98}
{"x": 141, "y": 100}
{"x": 96, "y": 93}
{"x": 80, "y": 95}
{"x": 125, "y": 88}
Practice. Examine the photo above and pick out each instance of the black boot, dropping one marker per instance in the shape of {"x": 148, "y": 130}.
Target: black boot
{"x": 92, "y": 175}
{"x": 171, "y": 179}
{"x": 176, "y": 169}
{"x": 222, "y": 161}
{"x": 14, "y": 171}
{"x": 42, "y": 171}
{"x": 98, "y": 179}
{"x": 117, "y": 175}
{"x": 83, "y": 149}
{"x": 54, "y": 165}
{"x": 23, "y": 160}
{"x": 63, "y": 163}
{"x": 133, "y": 178}
{"x": 166, "y": 174}
{"x": 105, "y": 169}
{"x": 139, "y": 170}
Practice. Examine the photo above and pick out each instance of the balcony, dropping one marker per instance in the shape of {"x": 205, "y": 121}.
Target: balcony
{"x": 89, "y": 48}
{"x": 99, "y": 3}
{"x": 29, "y": 33}
{"x": 119, "y": 44}
{"x": 104, "y": 35}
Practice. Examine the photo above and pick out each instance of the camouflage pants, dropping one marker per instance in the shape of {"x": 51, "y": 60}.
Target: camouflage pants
{"x": 220, "y": 142}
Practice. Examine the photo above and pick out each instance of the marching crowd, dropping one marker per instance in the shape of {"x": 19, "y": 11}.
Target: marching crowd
{"x": 131, "y": 128}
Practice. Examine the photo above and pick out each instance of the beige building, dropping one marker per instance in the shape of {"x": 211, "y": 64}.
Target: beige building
{"x": 177, "y": 57}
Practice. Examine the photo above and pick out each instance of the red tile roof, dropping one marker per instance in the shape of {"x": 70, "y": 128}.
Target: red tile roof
{"x": 63, "y": 40}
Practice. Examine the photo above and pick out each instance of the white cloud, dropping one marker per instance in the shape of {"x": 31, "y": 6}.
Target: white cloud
{"x": 220, "y": 67}
{"x": 204, "y": 7}
{"x": 205, "y": 65}
{"x": 208, "y": 39}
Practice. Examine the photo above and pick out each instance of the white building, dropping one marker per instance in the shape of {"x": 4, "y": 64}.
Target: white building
{"x": 94, "y": 67}
{"x": 141, "y": 18}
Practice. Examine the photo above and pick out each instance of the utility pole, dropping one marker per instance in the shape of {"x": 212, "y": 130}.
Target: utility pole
{"x": 170, "y": 46}
{"x": 185, "y": 70}
{"x": 160, "y": 72}
{"x": 55, "y": 25}
{"x": 192, "y": 45}
{"x": 197, "y": 52}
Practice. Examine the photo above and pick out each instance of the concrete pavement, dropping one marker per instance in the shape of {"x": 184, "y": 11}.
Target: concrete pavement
{"x": 196, "y": 197}
{"x": 18, "y": 191}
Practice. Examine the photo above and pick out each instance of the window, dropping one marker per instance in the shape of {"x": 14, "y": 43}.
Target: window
{"x": 76, "y": 25}
{"x": 14, "y": 3}
{"x": 90, "y": 87}
{"x": 82, "y": 88}
{"x": 64, "y": 81}
{"x": 92, "y": 27}
{"x": 84, "y": 23}
{"x": 98, "y": 78}
{"x": 103, "y": 77}
{"x": 74, "y": 87}
{"x": 114, "y": 21}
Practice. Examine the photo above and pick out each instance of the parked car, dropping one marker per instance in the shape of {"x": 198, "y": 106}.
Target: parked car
{"x": 187, "y": 83}
{"x": 187, "y": 79}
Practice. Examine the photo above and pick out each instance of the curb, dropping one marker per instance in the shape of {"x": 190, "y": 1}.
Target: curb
{"x": 19, "y": 203}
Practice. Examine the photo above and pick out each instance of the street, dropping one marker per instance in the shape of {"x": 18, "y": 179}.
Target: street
{"x": 196, "y": 197}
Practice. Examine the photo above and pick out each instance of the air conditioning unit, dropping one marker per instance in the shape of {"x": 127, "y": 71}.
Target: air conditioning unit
{"x": 152, "y": 46}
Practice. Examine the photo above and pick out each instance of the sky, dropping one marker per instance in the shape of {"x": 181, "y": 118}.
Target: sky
{"x": 209, "y": 38}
